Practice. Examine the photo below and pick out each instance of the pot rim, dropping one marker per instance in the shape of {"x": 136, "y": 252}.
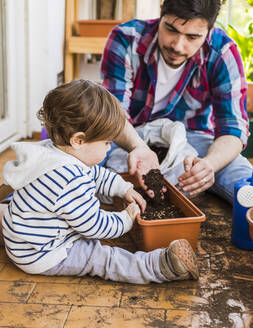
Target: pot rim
{"x": 184, "y": 220}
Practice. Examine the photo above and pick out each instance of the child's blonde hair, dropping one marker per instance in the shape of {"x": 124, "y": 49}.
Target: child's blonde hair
{"x": 81, "y": 106}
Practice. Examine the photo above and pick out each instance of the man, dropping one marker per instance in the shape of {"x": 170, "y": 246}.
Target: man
{"x": 183, "y": 68}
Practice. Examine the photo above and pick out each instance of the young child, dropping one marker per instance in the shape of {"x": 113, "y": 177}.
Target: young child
{"x": 54, "y": 221}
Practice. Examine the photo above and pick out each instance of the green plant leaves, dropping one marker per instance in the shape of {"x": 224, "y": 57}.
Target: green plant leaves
{"x": 245, "y": 45}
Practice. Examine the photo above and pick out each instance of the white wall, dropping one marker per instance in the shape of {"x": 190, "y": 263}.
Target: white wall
{"x": 13, "y": 126}
{"x": 45, "y": 52}
{"x": 87, "y": 9}
{"x": 45, "y": 46}
{"x": 147, "y": 9}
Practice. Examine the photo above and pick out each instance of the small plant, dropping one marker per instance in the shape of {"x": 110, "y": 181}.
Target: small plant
{"x": 245, "y": 45}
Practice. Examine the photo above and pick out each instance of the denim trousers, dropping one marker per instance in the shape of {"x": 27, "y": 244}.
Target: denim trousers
{"x": 226, "y": 178}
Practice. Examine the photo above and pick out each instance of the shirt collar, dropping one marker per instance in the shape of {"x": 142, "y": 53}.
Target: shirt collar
{"x": 148, "y": 42}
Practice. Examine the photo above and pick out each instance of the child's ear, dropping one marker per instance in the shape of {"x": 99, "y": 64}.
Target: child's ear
{"x": 77, "y": 140}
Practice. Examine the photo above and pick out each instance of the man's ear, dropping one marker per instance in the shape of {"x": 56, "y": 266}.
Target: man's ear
{"x": 77, "y": 140}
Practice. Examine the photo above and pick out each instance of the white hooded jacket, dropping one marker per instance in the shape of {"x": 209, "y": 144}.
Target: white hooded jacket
{"x": 55, "y": 203}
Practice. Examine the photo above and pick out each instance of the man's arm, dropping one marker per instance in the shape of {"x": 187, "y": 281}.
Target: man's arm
{"x": 129, "y": 138}
{"x": 117, "y": 74}
{"x": 199, "y": 172}
{"x": 223, "y": 151}
{"x": 228, "y": 92}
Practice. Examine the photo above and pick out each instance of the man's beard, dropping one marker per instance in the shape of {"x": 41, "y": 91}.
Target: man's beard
{"x": 171, "y": 60}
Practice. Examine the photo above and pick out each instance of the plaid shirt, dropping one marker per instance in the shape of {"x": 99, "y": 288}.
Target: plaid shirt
{"x": 209, "y": 97}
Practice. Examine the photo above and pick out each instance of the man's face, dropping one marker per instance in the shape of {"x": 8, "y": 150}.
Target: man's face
{"x": 179, "y": 40}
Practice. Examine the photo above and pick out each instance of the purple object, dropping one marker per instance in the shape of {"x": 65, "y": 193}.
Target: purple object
{"x": 44, "y": 134}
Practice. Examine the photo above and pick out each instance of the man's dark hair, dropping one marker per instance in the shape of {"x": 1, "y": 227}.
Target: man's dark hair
{"x": 190, "y": 9}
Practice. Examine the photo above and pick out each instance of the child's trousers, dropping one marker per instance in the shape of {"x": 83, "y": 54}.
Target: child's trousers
{"x": 89, "y": 257}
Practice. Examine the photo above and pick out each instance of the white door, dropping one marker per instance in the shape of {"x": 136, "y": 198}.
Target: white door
{"x": 12, "y": 71}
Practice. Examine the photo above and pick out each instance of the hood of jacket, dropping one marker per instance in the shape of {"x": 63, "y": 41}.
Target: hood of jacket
{"x": 33, "y": 159}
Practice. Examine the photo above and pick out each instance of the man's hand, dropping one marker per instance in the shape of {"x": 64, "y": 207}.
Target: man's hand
{"x": 199, "y": 172}
{"x": 141, "y": 158}
{"x": 140, "y": 161}
{"x": 198, "y": 176}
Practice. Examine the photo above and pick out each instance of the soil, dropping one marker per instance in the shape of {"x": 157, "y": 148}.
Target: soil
{"x": 158, "y": 208}
{"x": 154, "y": 181}
{"x": 161, "y": 152}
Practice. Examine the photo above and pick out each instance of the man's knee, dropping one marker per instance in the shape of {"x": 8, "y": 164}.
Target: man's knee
{"x": 225, "y": 179}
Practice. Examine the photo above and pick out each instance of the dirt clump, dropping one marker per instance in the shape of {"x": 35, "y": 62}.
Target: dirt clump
{"x": 154, "y": 181}
{"x": 159, "y": 207}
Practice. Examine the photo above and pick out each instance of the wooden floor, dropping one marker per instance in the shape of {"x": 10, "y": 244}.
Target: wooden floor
{"x": 223, "y": 296}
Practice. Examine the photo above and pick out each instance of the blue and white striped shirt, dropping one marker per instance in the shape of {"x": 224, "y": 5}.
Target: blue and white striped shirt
{"x": 60, "y": 206}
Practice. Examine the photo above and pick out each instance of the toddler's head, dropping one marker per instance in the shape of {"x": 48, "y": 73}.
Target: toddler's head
{"x": 81, "y": 106}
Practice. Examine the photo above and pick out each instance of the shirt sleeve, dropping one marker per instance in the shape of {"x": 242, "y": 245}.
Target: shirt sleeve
{"x": 229, "y": 89}
{"x": 109, "y": 183}
{"x": 80, "y": 208}
{"x": 116, "y": 67}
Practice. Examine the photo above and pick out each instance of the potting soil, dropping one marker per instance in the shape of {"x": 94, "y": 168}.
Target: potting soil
{"x": 158, "y": 208}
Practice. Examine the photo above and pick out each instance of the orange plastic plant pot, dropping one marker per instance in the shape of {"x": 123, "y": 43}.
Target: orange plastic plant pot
{"x": 154, "y": 234}
{"x": 96, "y": 27}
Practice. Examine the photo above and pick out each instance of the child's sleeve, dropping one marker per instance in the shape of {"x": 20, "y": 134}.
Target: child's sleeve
{"x": 109, "y": 183}
{"x": 79, "y": 207}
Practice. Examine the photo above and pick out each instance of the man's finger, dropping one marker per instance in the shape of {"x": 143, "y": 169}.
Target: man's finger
{"x": 188, "y": 163}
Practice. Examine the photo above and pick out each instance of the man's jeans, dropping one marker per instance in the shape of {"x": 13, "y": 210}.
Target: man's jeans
{"x": 225, "y": 179}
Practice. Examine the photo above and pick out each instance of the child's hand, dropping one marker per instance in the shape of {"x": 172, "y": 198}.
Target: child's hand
{"x": 133, "y": 196}
{"x": 132, "y": 210}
